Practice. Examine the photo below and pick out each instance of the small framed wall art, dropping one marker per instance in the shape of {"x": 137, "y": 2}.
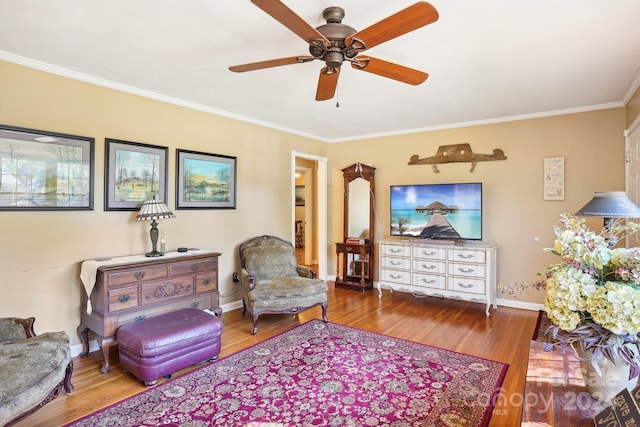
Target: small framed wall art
{"x": 554, "y": 178}
{"x": 134, "y": 173}
{"x": 205, "y": 181}
{"x": 44, "y": 170}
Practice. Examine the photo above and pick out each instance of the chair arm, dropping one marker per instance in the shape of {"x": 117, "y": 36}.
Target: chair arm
{"x": 305, "y": 271}
{"x": 13, "y": 328}
{"x": 247, "y": 280}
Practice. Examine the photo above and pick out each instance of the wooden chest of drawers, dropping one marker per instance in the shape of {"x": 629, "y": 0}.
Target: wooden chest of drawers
{"x": 140, "y": 287}
{"x": 451, "y": 271}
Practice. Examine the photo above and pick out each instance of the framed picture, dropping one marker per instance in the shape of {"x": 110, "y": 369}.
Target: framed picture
{"x": 205, "y": 181}
{"x": 554, "y": 178}
{"x": 134, "y": 173}
{"x": 43, "y": 170}
{"x": 299, "y": 195}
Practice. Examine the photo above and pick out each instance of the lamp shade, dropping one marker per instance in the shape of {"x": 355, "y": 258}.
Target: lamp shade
{"x": 610, "y": 204}
{"x": 154, "y": 209}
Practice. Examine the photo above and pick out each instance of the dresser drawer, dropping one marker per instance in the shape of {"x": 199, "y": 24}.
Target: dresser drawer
{"x": 204, "y": 301}
{"x": 431, "y": 281}
{"x": 429, "y": 266}
{"x": 157, "y": 292}
{"x": 430, "y": 253}
{"x": 146, "y": 273}
{"x": 206, "y": 282}
{"x": 466, "y": 285}
{"x": 467, "y": 255}
{"x": 395, "y": 250}
{"x": 193, "y": 266}
{"x": 395, "y": 276}
{"x": 399, "y": 263}
{"x": 122, "y": 298}
{"x": 467, "y": 270}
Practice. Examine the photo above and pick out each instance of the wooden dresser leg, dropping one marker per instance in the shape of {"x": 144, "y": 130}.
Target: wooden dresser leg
{"x": 83, "y": 332}
{"x": 105, "y": 342}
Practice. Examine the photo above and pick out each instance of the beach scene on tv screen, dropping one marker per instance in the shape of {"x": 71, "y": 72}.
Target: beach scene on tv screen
{"x": 437, "y": 211}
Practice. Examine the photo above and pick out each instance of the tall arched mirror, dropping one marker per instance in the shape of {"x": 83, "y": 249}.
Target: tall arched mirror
{"x": 355, "y": 254}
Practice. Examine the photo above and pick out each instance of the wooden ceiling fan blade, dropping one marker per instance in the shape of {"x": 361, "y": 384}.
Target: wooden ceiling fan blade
{"x": 271, "y": 63}
{"x": 289, "y": 19}
{"x": 390, "y": 70}
{"x": 408, "y": 19}
{"x": 327, "y": 83}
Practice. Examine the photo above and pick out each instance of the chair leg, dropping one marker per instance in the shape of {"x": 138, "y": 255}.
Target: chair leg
{"x": 324, "y": 313}
{"x": 244, "y": 307}
{"x": 68, "y": 387}
{"x": 255, "y": 323}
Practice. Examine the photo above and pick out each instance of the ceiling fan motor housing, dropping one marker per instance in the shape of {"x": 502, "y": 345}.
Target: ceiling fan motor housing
{"x": 336, "y": 32}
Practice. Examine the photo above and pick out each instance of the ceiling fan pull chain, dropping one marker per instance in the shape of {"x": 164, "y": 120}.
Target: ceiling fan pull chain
{"x": 337, "y": 97}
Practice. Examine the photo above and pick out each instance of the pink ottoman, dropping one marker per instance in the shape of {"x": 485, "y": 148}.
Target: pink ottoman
{"x": 161, "y": 345}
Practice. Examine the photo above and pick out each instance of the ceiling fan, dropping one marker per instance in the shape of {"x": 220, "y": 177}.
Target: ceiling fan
{"x": 335, "y": 42}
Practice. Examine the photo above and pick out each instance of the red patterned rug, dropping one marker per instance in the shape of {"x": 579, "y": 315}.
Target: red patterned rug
{"x": 321, "y": 374}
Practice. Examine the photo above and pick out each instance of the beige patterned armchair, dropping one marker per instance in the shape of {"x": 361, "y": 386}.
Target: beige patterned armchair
{"x": 272, "y": 282}
{"x": 33, "y": 369}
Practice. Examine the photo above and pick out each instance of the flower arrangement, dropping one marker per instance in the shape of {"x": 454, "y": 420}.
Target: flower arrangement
{"x": 593, "y": 292}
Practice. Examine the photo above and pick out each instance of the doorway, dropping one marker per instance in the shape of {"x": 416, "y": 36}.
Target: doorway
{"x": 309, "y": 210}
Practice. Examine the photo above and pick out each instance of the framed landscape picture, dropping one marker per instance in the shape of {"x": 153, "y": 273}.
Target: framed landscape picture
{"x": 43, "y": 170}
{"x": 134, "y": 173}
{"x": 205, "y": 181}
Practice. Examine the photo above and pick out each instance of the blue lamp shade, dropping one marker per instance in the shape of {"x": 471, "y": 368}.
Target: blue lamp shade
{"x": 610, "y": 204}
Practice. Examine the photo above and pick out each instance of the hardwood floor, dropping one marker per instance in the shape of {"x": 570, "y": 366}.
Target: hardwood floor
{"x": 450, "y": 324}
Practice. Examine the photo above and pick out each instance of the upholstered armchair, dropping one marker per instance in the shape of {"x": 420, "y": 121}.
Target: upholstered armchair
{"x": 33, "y": 369}
{"x": 272, "y": 282}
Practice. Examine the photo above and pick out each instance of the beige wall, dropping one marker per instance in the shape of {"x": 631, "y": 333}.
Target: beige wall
{"x": 41, "y": 251}
{"x": 515, "y": 215}
{"x": 633, "y": 108}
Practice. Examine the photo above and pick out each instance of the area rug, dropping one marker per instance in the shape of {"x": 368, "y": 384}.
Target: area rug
{"x": 321, "y": 374}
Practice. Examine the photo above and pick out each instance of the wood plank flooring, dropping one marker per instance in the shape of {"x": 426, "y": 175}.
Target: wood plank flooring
{"x": 450, "y": 324}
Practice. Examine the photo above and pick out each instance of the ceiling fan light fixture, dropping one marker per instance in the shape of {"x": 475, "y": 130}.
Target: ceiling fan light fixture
{"x": 333, "y": 59}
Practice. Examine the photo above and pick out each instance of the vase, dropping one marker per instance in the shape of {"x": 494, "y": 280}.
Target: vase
{"x": 611, "y": 379}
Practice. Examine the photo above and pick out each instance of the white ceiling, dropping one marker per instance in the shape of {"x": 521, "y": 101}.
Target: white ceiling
{"x": 488, "y": 60}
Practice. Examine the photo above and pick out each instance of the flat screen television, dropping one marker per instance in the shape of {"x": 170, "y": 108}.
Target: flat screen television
{"x": 437, "y": 211}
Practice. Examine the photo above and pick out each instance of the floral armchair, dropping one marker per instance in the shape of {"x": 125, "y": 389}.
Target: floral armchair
{"x": 33, "y": 369}
{"x": 272, "y": 282}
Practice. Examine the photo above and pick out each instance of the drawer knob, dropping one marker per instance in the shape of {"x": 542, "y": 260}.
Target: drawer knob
{"x": 428, "y": 253}
{"x": 139, "y": 275}
{"x": 124, "y": 298}
{"x": 195, "y": 304}
{"x": 206, "y": 281}
{"x": 428, "y": 267}
{"x": 394, "y": 276}
{"x": 395, "y": 251}
{"x": 428, "y": 281}
{"x": 463, "y": 256}
{"x": 139, "y": 318}
{"x": 465, "y": 285}
{"x": 395, "y": 262}
{"x": 194, "y": 267}
{"x": 466, "y": 270}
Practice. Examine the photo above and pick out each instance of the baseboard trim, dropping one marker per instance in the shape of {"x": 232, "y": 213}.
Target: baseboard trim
{"x": 76, "y": 349}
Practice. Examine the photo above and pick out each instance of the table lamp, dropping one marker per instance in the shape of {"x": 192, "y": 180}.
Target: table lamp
{"x": 150, "y": 211}
{"x": 610, "y": 205}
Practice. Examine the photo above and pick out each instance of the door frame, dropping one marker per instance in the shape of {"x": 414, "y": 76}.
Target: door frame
{"x": 320, "y": 202}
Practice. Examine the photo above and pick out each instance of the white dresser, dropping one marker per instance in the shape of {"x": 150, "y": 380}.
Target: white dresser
{"x": 464, "y": 271}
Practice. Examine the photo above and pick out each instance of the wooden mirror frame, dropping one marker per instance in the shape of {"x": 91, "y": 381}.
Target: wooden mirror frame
{"x": 359, "y": 170}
